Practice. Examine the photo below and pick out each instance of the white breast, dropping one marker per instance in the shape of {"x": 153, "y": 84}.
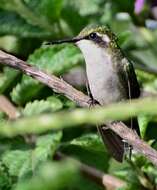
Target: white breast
{"x": 102, "y": 78}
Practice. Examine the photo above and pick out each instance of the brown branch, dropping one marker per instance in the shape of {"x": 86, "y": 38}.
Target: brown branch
{"x": 61, "y": 86}
{"x": 7, "y": 107}
{"x": 58, "y": 85}
{"x": 108, "y": 181}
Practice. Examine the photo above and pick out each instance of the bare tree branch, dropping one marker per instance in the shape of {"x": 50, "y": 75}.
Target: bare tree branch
{"x": 58, "y": 85}
{"x": 61, "y": 86}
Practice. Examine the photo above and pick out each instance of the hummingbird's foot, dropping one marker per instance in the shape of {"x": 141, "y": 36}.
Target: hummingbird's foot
{"x": 92, "y": 102}
{"x": 105, "y": 127}
{"x": 127, "y": 149}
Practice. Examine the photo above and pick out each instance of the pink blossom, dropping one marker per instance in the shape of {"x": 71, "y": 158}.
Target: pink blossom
{"x": 139, "y": 6}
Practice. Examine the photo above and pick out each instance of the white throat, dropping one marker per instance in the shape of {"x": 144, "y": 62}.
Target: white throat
{"x": 100, "y": 71}
{"x": 93, "y": 54}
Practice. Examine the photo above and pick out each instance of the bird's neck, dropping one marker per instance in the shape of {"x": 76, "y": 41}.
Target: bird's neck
{"x": 97, "y": 56}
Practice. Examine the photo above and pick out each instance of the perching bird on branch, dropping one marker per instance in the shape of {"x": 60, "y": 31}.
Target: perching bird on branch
{"x": 111, "y": 78}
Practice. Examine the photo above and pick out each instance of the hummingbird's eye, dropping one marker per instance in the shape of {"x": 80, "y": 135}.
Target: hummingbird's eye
{"x": 93, "y": 36}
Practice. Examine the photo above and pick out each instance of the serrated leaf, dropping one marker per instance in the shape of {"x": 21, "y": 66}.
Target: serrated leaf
{"x": 15, "y": 160}
{"x": 56, "y": 103}
{"x": 25, "y": 91}
{"x": 55, "y": 59}
{"x": 90, "y": 150}
{"x": 5, "y": 180}
{"x": 13, "y": 24}
{"x": 45, "y": 148}
{"x": 42, "y": 106}
{"x": 22, "y": 163}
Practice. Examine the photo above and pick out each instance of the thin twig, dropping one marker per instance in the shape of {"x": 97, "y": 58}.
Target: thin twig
{"x": 61, "y": 86}
{"x": 107, "y": 181}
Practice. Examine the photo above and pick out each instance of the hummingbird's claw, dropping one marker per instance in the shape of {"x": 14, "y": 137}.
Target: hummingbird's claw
{"x": 92, "y": 102}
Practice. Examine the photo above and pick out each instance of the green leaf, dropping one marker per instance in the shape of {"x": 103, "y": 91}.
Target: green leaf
{"x": 25, "y": 91}
{"x": 125, "y": 29}
{"x": 78, "y": 14}
{"x": 36, "y": 107}
{"x": 143, "y": 123}
{"x": 146, "y": 56}
{"x": 90, "y": 150}
{"x": 84, "y": 183}
{"x": 74, "y": 22}
{"x": 123, "y": 37}
{"x": 52, "y": 176}
{"x": 13, "y": 24}
{"x": 45, "y": 148}
{"x": 150, "y": 170}
{"x": 35, "y": 12}
{"x": 124, "y": 171}
{"x": 17, "y": 161}
{"x": 122, "y": 6}
{"x": 90, "y": 141}
{"x": 5, "y": 180}
{"x": 50, "y": 9}
{"x": 22, "y": 163}
{"x": 85, "y": 8}
{"x": 56, "y": 59}
{"x": 7, "y": 79}
{"x": 53, "y": 59}
{"x": 9, "y": 5}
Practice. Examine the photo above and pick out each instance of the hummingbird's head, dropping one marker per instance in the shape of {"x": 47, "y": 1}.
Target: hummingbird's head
{"x": 93, "y": 40}
{"x": 96, "y": 37}
{"x": 100, "y": 36}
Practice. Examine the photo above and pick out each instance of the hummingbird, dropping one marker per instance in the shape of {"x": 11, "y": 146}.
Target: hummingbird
{"x": 111, "y": 78}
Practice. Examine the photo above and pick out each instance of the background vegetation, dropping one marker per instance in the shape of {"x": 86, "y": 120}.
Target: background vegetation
{"x": 26, "y": 161}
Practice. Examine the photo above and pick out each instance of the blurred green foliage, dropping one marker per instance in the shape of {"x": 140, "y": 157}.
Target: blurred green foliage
{"x": 26, "y": 161}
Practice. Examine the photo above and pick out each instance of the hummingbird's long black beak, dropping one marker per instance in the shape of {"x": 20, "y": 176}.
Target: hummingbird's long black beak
{"x": 73, "y": 40}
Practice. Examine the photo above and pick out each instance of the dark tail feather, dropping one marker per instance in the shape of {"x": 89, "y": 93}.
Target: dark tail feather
{"x": 113, "y": 142}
